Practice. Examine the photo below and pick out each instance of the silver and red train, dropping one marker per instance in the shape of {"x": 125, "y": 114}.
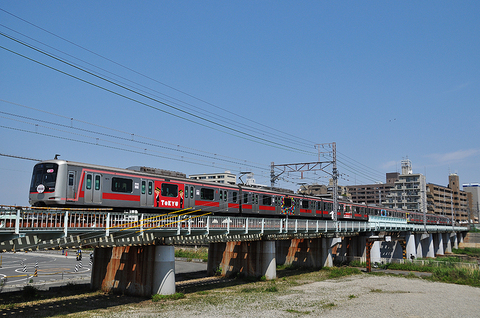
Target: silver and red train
{"x": 60, "y": 183}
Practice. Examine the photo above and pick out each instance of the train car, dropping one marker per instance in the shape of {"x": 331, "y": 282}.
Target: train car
{"x": 72, "y": 184}
{"x": 61, "y": 183}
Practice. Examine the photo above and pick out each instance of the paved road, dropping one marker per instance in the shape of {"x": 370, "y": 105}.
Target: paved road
{"x": 55, "y": 269}
{"x": 52, "y": 269}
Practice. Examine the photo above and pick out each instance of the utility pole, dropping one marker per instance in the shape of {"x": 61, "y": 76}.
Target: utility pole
{"x": 335, "y": 182}
{"x": 312, "y": 166}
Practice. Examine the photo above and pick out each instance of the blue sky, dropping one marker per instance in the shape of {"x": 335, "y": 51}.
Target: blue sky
{"x": 209, "y": 86}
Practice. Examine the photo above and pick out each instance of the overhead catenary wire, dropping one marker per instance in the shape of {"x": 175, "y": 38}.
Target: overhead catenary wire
{"x": 355, "y": 170}
{"x": 145, "y": 76}
{"x": 239, "y": 133}
{"x": 175, "y": 147}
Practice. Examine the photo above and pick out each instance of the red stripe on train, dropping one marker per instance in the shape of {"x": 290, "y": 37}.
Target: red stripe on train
{"x": 121, "y": 197}
{"x": 267, "y": 208}
{"x": 207, "y": 203}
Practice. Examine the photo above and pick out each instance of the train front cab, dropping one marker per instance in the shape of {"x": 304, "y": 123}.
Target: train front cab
{"x": 45, "y": 190}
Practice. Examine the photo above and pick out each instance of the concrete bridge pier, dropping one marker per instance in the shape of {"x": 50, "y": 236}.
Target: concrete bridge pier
{"x": 418, "y": 245}
{"x": 300, "y": 252}
{"x": 438, "y": 244}
{"x": 460, "y": 237}
{"x": 455, "y": 239}
{"x": 447, "y": 243}
{"x": 327, "y": 253}
{"x": 255, "y": 258}
{"x": 134, "y": 270}
{"x": 362, "y": 248}
{"x": 164, "y": 270}
{"x": 375, "y": 254}
{"x": 410, "y": 245}
{"x": 429, "y": 247}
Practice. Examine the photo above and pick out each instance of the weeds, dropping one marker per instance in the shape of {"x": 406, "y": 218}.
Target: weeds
{"x": 293, "y": 311}
{"x": 336, "y": 272}
{"x": 175, "y": 296}
{"x": 201, "y": 254}
{"x": 470, "y": 251}
{"x": 30, "y": 292}
{"x": 457, "y": 276}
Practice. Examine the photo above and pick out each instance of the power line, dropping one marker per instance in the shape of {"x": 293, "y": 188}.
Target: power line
{"x": 145, "y": 76}
{"x": 121, "y": 138}
{"x": 355, "y": 170}
{"x": 248, "y": 135}
{"x": 19, "y": 157}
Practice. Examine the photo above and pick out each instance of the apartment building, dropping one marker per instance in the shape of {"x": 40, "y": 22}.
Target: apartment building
{"x": 226, "y": 177}
{"x": 409, "y": 191}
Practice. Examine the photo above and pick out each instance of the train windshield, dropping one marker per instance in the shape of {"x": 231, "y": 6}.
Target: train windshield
{"x": 44, "y": 177}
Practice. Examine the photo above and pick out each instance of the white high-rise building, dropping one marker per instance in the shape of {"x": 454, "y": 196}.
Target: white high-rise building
{"x": 409, "y": 192}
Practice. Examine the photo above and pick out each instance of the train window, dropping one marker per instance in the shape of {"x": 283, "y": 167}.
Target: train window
{"x": 287, "y": 202}
{"x": 191, "y": 192}
{"x": 225, "y": 195}
{"x": 97, "y": 183}
{"x": 221, "y": 195}
{"x": 122, "y": 185}
{"x": 256, "y": 198}
{"x": 328, "y": 206}
{"x": 207, "y": 194}
{"x": 305, "y": 204}
{"x": 88, "y": 185}
{"x": 245, "y": 198}
{"x": 266, "y": 200}
{"x": 71, "y": 177}
{"x": 144, "y": 186}
{"x": 150, "y": 187}
{"x": 46, "y": 174}
{"x": 234, "y": 197}
{"x": 169, "y": 190}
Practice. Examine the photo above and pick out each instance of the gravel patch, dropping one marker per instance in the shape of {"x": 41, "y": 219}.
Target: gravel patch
{"x": 353, "y": 296}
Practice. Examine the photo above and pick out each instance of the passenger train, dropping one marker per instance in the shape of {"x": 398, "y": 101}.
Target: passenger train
{"x": 60, "y": 183}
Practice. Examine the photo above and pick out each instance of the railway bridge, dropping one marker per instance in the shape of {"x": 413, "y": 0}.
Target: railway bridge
{"x": 134, "y": 252}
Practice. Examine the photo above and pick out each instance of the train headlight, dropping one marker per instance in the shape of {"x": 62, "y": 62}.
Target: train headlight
{"x": 40, "y": 188}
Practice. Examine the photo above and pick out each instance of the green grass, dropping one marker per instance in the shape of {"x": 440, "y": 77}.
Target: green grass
{"x": 201, "y": 253}
{"x": 429, "y": 267}
{"x": 446, "y": 270}
{"x": 457, "y": 276}
{"x": 175, "y": 296}
{"x": 293, "y": 311}
{"x": 335, "y": 272}
{"x": 470, "y": 251}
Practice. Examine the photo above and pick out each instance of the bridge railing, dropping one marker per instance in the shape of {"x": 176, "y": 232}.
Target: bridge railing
{"x": 20, "y": 219}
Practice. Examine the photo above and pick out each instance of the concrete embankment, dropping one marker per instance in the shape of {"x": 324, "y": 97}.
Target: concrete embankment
{"x": 471, "y": 240}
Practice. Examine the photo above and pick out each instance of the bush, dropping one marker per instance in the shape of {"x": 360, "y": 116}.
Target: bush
{"x": 29, "y": 292}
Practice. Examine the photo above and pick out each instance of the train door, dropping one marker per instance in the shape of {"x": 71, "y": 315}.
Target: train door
{"x": 71, "y": 185}
{"x": 190, "y": 201}
{"x": 223, "y": 200}
{"x": 255, "y": 205}
{"x": 146, "y": 193}
{"x": 93, "y": 188}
